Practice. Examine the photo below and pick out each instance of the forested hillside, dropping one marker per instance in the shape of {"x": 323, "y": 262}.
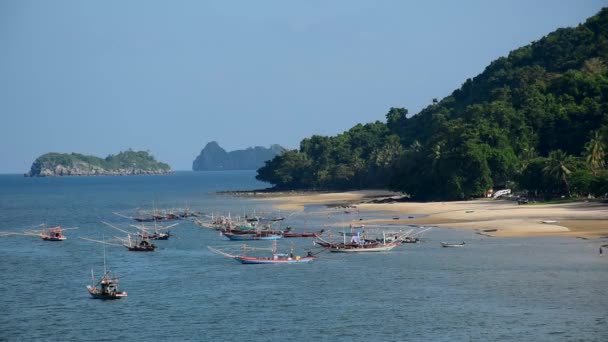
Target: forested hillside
{"x": 535, "y": 120}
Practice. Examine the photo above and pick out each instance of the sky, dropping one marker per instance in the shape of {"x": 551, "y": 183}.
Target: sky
{"x": 100, "y": 77}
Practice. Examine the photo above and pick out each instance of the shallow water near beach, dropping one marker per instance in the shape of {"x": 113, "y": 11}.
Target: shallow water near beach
{"x": 544, "y": 289}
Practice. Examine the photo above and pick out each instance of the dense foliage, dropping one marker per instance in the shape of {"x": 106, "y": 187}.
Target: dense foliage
{"x": 536, "y": 120}
{"x": 130, "y": 159}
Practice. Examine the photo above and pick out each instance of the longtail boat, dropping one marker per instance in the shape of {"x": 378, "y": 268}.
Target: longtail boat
{"x": 275, "y": 258}
{"x": 108, "y": 284}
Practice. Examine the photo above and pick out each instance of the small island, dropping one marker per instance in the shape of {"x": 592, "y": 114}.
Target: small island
{"x": 214, "y": 158}
{"x": 74, "y": 164}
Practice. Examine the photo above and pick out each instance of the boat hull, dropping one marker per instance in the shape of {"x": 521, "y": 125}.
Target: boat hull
{"x": 53, "y": 238}
{"x": 248, "y": 237}
{"x": 98, "y": 295}
{"x": 362, "y": 249}
{"x": 443, "y": 244}
{"x": 305, "y": 234}
{"x": 252, "y": 260}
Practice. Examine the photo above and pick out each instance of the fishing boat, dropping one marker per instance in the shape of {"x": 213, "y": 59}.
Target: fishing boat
{"x": 108, "y": 285}
{"x": 52, "y": 234}
{"x": 363, "y": 247}
{"x": 260, "y": 235}
{"x": 275, "y": 258}
{"x": 140, "y": 245}
{"x": 289, "y": 233}
{"x": 358, "y": 245}
{"x": 446, "y": 244}
{"x": 154, "y": 233}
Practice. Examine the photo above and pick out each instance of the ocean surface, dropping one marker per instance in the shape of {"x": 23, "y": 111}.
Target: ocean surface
{"x": 493, "y": 289}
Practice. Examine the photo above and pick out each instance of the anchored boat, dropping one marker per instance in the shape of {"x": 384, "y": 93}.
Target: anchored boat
{"x": 52, "y": 234}
{"x": 108, "y": 284}
{"x": 445, "y": 244}
{"x": 275, "y": 258}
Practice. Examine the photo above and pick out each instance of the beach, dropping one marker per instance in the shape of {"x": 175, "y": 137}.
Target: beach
{"x": 505, "y": 218}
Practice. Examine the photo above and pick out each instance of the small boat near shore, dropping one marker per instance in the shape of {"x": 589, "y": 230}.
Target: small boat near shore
{"x": 446, "y": 244}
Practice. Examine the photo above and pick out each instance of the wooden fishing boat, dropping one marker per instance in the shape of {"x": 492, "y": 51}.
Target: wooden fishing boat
{"x": 108, "y": 284}
{"x": 358, "y": 244}
{"x": 275, "y": 258}
{"x": 52, "y": 234}
{"x": 139, "y": 244}
{"x": 108, "y": 288}
{"x": 445, "y": 244}
{"x": 363, "y": 247}
{"x": 289, "y": 233}
{"x": 261, "y": 235}
{"x": 142, "y": 245}
{"x": 155, "y": 235}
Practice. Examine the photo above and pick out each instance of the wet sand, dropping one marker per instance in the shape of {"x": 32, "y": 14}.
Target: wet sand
{"x": 586, "y": 219}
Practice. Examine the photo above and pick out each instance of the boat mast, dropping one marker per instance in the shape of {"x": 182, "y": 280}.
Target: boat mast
{"x": 104, "y": 259}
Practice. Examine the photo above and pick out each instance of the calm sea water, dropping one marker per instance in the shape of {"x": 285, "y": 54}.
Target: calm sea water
{"x": 542, "y": 289}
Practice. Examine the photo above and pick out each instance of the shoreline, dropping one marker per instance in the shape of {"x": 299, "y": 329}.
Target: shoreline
{"x": 499, "y": 218}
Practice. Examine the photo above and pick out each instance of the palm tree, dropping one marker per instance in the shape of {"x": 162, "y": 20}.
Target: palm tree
{"x": 558, "y": 166}
{"x": 596, "y": 152}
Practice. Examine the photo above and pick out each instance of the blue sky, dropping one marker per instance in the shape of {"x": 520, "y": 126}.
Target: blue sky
{"x": 98, "y": 77}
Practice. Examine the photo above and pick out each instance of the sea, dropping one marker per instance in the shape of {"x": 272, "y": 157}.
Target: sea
{"x": 493, "y": 289}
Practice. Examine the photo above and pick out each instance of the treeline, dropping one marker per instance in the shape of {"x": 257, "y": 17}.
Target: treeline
{"x": 536, "y": 120}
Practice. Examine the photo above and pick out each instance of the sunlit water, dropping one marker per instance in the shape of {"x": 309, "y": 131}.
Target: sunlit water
{"x": 542, "y": 289}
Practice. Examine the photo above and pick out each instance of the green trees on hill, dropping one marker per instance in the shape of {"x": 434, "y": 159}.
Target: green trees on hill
{"x": 127, "y": 160}
{"x": 536, "y": 120}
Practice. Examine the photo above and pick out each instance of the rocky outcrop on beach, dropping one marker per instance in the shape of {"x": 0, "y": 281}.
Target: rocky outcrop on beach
{"x": 74, "y": 164}
{"x": 213, "y": 158}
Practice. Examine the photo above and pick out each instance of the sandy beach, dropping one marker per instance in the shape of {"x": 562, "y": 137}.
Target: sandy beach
{"x": 587, "y": 219}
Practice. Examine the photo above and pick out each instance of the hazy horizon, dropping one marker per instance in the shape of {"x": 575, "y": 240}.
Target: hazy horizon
{"x": 102, "y": 77}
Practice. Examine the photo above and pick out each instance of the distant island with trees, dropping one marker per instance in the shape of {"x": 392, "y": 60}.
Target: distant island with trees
{"x": 535, "y": 121}
{"x": 74, "y": 164}
{"x": 215, "y": 158}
